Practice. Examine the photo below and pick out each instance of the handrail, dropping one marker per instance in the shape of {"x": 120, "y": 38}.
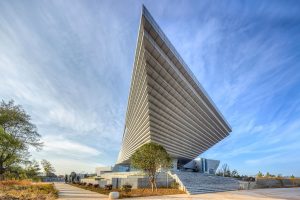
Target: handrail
{"x": 177, "y": 179}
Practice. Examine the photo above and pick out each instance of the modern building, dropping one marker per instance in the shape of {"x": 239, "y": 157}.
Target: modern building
{"x": 167, "y": 105}
{"x": 202, "y": 165}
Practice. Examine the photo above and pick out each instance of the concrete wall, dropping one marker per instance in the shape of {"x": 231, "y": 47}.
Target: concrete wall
{"x": 277, "y": 182}
{"x": 136, "y": 179}
{"x": 136, "y": 182}
{"x": 111, "y": 175}
{"x": 245, "y": 185}
{"x": 140, "y": 182}
{"x": 101, "y": 183}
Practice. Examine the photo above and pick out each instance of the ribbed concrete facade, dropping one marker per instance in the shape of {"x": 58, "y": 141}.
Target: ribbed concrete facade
{"x": 167, "y": 104}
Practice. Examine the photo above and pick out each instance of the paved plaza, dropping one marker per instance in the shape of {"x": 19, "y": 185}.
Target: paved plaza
{"x": 258, "y": 194}
{"x": 68, "y": 192}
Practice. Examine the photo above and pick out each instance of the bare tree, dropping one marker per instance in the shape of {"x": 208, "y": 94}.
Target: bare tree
{"x": 225, "y": 170}
{"x": 48, "y": 168}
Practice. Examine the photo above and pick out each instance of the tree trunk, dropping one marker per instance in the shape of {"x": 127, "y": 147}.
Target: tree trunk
{"x": 152, "y": 184}
{"x": 2, "y": 171}
{"x": 1, "y": 177}
{"x": 155, "y": 185}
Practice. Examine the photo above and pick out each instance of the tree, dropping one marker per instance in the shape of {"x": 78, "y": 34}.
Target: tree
{"x": 32, "y": 170}
{"x": 235, "y": 174}
{"x": 48, "y": 168}
{"x": 15, "y": 172}
{"x": 150, "y": 157}
{"x": 293, "y": 180}
{"x": 259, "y": 174}
{"x": 219, "y": 173}
{"x": 225, "y": 170}
{"x": 292, "y": 176}
{"x": 10, "y": 151}
{"x": 279, "y": 176}
{"x": 73, "y": 176}
{"x": 17, "y": 135}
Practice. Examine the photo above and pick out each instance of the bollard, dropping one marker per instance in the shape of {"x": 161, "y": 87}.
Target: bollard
{"x": 114, "y": 195}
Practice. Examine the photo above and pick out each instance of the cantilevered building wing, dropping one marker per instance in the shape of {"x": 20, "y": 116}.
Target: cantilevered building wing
{"x": 167, "y": 104}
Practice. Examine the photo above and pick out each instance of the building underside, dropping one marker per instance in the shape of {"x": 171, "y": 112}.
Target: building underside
{"x": 167, "y": 105}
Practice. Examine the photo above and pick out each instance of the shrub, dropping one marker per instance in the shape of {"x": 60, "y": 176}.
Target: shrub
{"x": 249, "y": 179}
{"x": 96, "y": 185}
{"x": 9, "y": 197}
{"x": 175, "y": 185}
{"x": 108, "y": 187}
{"x": 90, "y": 184}
{"x": 15, "y": 182}
{"x": 22, "y": 190}
{"x": 84, "y": 183}
{"x": 279, "y": 176}
{"x": 259, "y": 174}
{"x": 126, "y": 188}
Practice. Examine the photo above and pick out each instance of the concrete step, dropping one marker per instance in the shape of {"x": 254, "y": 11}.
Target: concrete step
{"x": 206, "y": 191}
{"x": 197, "y": 183}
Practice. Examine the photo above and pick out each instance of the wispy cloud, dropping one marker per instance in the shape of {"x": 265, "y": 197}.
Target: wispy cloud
{"x": 61, "y": 146}
{"x": 71, "y": 74}
{"x": 248, "y": 62}
{"x": 68, "y": 155}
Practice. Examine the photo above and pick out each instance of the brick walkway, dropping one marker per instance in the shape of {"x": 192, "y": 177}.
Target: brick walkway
{"x": 68, "y": 192}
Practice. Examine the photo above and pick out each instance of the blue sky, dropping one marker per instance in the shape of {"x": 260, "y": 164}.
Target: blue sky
{"x": 69, "y": 64}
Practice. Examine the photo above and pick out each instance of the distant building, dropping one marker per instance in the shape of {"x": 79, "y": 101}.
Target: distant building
{"x": 203, "y": 165}
{"x": 167, "y": 105}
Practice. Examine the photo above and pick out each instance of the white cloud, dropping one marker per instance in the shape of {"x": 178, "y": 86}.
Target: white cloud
{"x": 69, "y": 118}
{"x": 66, "y": 166}
{"x": 273, "y": 159}
{"x": 61, "y": 146}
{"x": 67, "y": 155}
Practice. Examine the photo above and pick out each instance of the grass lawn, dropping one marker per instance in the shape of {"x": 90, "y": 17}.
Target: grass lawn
{"x": 134, "y": 192}
{"x": 26, "y": 190}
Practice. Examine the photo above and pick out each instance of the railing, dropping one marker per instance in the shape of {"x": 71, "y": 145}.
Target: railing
{"x": 53, "y": 179}
{"x": 177, "y": 179}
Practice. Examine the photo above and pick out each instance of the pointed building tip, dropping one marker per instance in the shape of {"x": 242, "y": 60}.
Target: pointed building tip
{"x": 144, "y": 9}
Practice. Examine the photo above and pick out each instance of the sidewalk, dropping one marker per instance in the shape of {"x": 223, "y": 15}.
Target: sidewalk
{"x": 68, "y": 192}
{"x": 257, "y": 194}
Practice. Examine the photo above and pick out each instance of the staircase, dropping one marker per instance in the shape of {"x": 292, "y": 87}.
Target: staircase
{"x": 197, "y": 183}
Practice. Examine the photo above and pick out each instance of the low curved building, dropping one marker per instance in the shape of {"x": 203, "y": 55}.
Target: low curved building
{"x": 167, "y": 104}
